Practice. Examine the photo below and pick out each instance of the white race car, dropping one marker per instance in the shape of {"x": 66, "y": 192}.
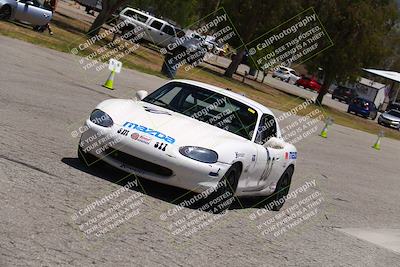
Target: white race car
{"x": 194, "y": 136}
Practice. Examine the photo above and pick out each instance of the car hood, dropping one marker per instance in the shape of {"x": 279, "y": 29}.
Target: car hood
{"x": 390, "y": 117}
{"x": 184, "y": 130}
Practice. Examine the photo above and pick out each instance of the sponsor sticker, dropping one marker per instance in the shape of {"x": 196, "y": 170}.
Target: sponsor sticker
{"x": 141, "y": 138}
{"x": 144, "y": 139}
{"x": 135, "y": 136}
{"x": 149, "y": 131}
{"x": 290, "y": 155}
{"x": 239, "y": 155}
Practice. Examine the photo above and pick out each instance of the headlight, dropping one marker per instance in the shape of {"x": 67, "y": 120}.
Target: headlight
{"x": 200, "y": 154}
{"x": 101, "y": 118}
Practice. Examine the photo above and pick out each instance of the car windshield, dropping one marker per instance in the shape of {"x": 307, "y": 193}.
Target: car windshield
{"x": 207, "y": 106}
{"x": 394, "y": 113}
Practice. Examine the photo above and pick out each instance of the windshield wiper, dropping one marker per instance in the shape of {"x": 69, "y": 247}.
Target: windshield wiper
{"x": 164, "y": 103}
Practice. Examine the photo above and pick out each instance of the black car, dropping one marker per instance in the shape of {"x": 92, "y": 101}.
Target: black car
{"x": 344, "y": 94}
{"x": 395, "y": 106}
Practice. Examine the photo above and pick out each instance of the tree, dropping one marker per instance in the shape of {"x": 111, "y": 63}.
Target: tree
{"x": 253, "y": 18}
{"x": 392, "y": 42}
{"x": 358, "y": 30}
{"x": 181, "y": 12}
{"x": 108, "y": 7}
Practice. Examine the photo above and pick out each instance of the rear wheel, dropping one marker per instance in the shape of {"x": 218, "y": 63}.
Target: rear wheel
{"x": 282, "y": 188}
{"x": 5, "y": 12}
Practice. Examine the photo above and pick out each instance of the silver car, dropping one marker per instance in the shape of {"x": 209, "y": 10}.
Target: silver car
{"x": 286, "y": 74}
{"x": 27, "y": 11}
{"x": 390, "y": 118}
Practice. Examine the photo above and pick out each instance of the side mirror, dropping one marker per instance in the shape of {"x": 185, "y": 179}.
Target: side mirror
{"x": 29, "y": 3}
{"x": 141, "y": 94}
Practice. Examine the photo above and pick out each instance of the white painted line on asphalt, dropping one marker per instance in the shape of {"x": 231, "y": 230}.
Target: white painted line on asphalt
{"x": 386, "y": 238}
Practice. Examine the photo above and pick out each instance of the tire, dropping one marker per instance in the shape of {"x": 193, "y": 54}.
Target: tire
{"x": 5, "y": 12}
{"x": 227, "y": 188}
{"x": 39, "y": 28}
{"x": 282, "y": 188}
{"x": 374, "y": 117}
{"x": 86, "y": 158}
{"x": 126, "y": 30}
{"x": 348, "y": 110}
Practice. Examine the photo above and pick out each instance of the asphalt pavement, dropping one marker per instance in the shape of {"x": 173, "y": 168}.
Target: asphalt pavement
{"x": 45, "y": 95}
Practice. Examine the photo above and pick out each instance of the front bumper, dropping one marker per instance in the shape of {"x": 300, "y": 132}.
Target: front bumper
{"x": 389, "y": 123}
{"x": 145, "y": 160}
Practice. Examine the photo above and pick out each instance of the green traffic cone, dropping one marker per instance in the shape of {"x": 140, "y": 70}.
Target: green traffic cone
{"x": 377, "y": 144}
{"x": 324, "y": 132}
{"x": 109, "y": 84}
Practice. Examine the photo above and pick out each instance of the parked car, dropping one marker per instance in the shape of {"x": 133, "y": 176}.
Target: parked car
{"x": 27, "y": 11}
{"x": 394, "y": 106}
{"x": 91, "y": 5}
{"x": 345, "y": 94}
{"x": 286, "y": 74}
{"x": 213, "y": 46}
{"x": 363, "y": 107}
{"x": 390, "y": 118}
{"x": 309, "y": 83}
{"x": 162, "y": 33}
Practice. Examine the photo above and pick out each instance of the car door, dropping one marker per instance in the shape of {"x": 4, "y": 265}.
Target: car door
{"x": 154, "y": 30}
{"x": 31, "y": 11}
{"x": 266, "y": 159}
{"x": 293, "y": 76}
{"x": 167, "y": 35}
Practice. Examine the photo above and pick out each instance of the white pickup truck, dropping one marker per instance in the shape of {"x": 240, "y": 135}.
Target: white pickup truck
{"x": 160, "y": 32}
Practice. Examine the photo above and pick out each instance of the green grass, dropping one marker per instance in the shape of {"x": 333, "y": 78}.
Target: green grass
{"x": 69, "y": 32}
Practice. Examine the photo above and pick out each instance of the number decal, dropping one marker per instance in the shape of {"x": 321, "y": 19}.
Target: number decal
{"x": 160, "y": 146}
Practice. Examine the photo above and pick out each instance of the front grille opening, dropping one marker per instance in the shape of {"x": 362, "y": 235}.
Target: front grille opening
{"x": 138, "y": 163}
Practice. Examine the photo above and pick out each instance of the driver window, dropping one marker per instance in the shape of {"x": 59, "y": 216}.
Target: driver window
{"x": 266, "y": 129}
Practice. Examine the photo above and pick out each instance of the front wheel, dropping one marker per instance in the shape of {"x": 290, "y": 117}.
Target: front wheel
{"x": 222, "y": 198}
{"x": 282, "y": 189}
{"x": 39, "y": 28}
{"x": 5, "y": 12}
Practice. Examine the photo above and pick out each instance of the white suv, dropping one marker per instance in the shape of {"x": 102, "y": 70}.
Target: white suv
{"x": 159, "y": 32}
